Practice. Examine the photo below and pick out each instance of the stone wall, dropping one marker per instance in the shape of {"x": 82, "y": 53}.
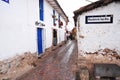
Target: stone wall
{"x": 17, "y": 65}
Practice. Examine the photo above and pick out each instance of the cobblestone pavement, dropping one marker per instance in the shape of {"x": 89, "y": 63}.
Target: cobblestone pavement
{"x": 60, "y": 64}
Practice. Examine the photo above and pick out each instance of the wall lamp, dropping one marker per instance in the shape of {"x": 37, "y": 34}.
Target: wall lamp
{"x": 39, "y": 23}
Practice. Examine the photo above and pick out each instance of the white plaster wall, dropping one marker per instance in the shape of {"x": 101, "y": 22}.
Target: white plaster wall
{"x": 100, "y": 36}
{"x": 62, "y": 31}
{"x": 48, "y": 12}
{"x": 61, "y": 35}
{"x": 17, "y": 30}
{"x": 18, "y": 33}
{"x": 48, "y": 24}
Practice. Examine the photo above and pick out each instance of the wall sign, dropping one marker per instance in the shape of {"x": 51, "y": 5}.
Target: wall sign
{"x": 7, "y": 1}
{"x": 99, "y": 19}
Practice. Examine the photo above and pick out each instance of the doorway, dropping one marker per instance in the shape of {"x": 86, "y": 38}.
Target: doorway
{"x": 54, "y": 37}
{"x": 39, "y": 40}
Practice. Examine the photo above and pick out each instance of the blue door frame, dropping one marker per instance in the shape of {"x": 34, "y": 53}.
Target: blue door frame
{"x": 39, "y": 36}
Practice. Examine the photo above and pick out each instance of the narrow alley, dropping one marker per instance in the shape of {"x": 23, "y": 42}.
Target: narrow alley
{"x": 60, "y": 64}
{"x": 45, "y": 40}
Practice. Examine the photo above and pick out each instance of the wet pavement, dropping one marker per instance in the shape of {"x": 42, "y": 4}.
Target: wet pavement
{"x": 60, "y": 64}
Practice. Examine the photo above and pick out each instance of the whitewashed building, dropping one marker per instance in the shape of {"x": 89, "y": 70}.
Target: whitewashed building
{"x": 28, "y": 26}
{"x": 98, "y": 26}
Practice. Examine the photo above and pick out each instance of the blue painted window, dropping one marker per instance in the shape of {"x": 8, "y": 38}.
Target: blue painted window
{"x": 54, "y": 18}
{"x": 41, "y": 6}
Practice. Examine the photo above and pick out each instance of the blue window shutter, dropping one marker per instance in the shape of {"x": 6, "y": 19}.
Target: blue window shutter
{"x": 41, "y": 6}
{"x": 54, "y": 17}
{"x": 59, "y": 17}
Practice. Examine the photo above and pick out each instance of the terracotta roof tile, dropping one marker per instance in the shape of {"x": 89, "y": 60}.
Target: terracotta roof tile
{"x": 93, "y": 6}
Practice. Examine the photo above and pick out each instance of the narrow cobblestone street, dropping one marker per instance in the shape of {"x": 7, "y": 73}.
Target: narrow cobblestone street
{"x": 60, "y": 64}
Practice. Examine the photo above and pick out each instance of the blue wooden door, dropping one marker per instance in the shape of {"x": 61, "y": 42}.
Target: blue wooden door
{"x": 39, "y": 36}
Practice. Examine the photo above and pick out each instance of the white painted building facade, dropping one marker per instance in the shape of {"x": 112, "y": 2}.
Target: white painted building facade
{"x": 18, "y": 32}
{"x": 98, "y": 26}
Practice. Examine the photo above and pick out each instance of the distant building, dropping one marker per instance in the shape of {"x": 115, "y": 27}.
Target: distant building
{"x": 29, "y": 25}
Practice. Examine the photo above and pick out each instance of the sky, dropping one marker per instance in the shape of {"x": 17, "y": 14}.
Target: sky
{"x": 71, "y": 5}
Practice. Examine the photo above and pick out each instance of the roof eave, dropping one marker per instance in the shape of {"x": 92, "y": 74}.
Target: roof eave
{"x": 58, "y": 8}
{"x": 91, "y": 7}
